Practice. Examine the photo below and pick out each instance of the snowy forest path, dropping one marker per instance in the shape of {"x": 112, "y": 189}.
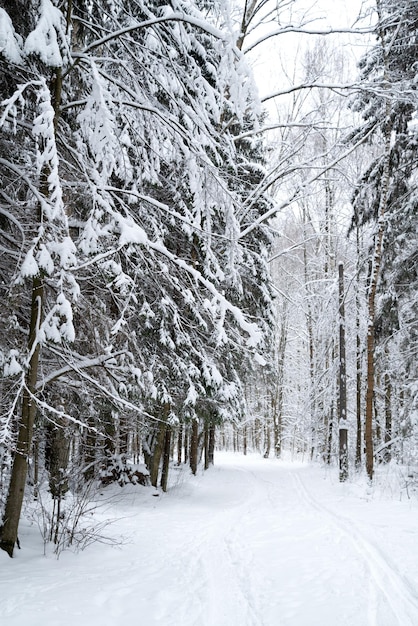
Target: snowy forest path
{"x": 251, "y": 542}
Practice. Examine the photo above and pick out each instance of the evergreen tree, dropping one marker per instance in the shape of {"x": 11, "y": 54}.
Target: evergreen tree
{"x": 386, "y": 194}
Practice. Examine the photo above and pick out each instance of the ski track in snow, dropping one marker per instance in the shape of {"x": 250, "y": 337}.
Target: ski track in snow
{"x": 252, "y": 542}
{"x": 385, "y": 576}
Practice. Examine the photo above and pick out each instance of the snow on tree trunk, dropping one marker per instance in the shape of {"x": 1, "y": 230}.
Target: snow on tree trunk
{"x": 342, "y": 376}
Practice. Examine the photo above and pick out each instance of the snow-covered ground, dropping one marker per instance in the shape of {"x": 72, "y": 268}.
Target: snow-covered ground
{"x": 251, "y": 542}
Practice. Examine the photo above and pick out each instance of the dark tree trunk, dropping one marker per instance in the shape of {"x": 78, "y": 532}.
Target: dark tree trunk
{"x": 244, "y": 440}
{"x": 166, "y": 458}
{"x": 194, "y": 446}
{"x": 157, "y": 453}
{"x": 89, "y": 447}
{"x": 179, "y": 444}
{"x": 309, "y": 329}
{"x": 388, "y": 417}
{"x": 236, "y": 438}
{"x": 123, "y": 435}
{"x": 9, "y": 529}
{"x": 206, "y": 445}
{"x": 186, "y": 444}
{"x": 211, "y": 447}
{"x": 358, "y": 363}
{"x": 267, "y": 441}
{"x": 342, "y": 417}
{"x": 57, "y": 453}
{"x": 329, "y": 437}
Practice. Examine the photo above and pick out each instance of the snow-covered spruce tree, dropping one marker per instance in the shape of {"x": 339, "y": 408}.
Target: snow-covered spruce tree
{"x": 252, "y": 283}
{"x": 122, "y": 182}
{"x": 46, "y": 251}
{"x": 210, "y": 390}
{"x": 387, "y": 197}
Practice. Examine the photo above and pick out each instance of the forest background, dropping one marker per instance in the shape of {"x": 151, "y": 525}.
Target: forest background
{"x": 184, "y": 260}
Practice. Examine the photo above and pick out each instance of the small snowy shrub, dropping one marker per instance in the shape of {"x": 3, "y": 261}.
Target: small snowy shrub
{"x": 121, "y": 471}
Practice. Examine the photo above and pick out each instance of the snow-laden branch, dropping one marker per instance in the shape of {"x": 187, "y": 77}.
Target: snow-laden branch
{"x": 131, "y": 233}
{"x": 163, "y": 115}
{"x": 81, "y": 364}
{"x": 387, "y": 444}
{"x": 165, "y": 208}
{"x": 298, "y": 193}
{"x": 10, "y": 41}
{"x": 274, "y": 175}
{"x": 379, "y": 89}
{"x": 22, "y": 175}
{"x": 169, "y": 17}
{"x": 134, "y": 103}
{"x": 136, "y": 234}
{"x": 60, "y": 413}
{"x": 117, "y": 399}
{"x": 323, "y": 125}
{"x": 294, "y": 247}
{"x": 329, "y": 86}
{"x": 308, "y": 31}
{"x": 6, "y": 421}
{"x": 254, "y": 334}
{"x": 9, "y": 216}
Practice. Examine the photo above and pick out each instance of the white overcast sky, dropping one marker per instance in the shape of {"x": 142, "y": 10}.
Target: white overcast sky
{"x": 333, "y": 12}
{"x": 284, "y": 54}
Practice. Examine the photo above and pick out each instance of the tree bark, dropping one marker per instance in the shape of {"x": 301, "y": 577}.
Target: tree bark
{"x": 9, "y": 530}
{"x": 267, "y": 440}
{"x": 328, "y": 455}
{"x": 186, "y": 444}
{"x": 166, "y": 458}
{"x": 57, "y": 455}
{"x": 194, "y": 445}
{"x": 388, "y": 417}
{"x": 206, "y": 445}
{"x": 179, "y": 444}
{"x": 157, "y": 454}
{"x": 358, "y": 362}
{"x": 342, "y": 417}
{"x": 248, "y": 13}
{"x": 211, "y": 448}
{"x": 375, "y": 272}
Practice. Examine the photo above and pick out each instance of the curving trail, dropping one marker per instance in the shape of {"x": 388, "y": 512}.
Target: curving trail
{"x": 249, "y": 543}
